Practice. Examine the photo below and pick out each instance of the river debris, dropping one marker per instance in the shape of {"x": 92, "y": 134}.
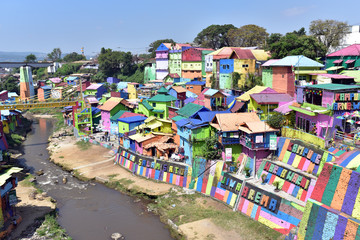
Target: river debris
{"x": 64, "y": 180}
{"x": 117, "y": 236}
{"x": 40, "y": 172}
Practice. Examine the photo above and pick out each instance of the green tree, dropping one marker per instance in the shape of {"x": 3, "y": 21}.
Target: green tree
{"x": 99, "y": 77}
{"x": 276, "y": 120}
{"x": 235, "y": 80}
{"x": 154, "y": 45}
{"x": 30, "y": 58}
{"x": 10, "y": 84}
{"x": 211, "y": 149}
{"x": 247, "y": 36}
{"x": 295, "y": 44}
{"x": 112, "y": 63}
{"x": 113, "y": 87}
{"x": 67, "y": 69}
{"x": 273, "y": 38}
{"x": 214, "y": 36}
{"x": 329, "y": 32}
{"x": 72, "y": 57}
{"x": 251, "y": 81}
{"x": 55, "y": 55}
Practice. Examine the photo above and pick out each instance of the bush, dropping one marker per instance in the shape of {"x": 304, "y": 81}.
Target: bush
{"x": 276, "y": 120}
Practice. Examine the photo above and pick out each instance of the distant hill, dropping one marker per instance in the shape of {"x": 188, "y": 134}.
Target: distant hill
{"x": 19, "y": 56}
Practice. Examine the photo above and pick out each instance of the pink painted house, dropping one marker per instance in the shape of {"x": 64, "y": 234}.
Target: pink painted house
{"x": 109, "y": 109}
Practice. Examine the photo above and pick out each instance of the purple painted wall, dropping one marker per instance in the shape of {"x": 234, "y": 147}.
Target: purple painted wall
{"x": 138, "y": 148}
{"x": 300, "y": 95}
{"x": 105, "y": 118}
{"x": 321, "y": 121}
{"x": 327, "y": 98}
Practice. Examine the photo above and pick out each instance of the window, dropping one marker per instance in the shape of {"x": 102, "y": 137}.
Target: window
{"x": 154, "y": 104}
{"x": 161, "y": 115}
{"x": 283, "y": 76}
{"x": 245, "y": 65}
{"x": 155, "y": 114}
{"x": 302, "y": 78}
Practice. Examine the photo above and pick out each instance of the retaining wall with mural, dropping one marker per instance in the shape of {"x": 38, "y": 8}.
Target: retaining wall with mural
{"x": 333, "y": 211}
{"x": 298, "y": 134}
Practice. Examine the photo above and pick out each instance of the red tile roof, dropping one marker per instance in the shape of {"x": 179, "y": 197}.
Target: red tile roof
{"x": 242, "y": 54}
{"x": 174, "y": 75}
{"x": 352, "y": 50}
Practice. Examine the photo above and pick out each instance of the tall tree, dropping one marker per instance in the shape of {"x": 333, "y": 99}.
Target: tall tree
{"x": 329, "y": 32}
{"x": 74, "y": 56}
{"x": 294, "y": 44}
{"x": 214, "y": 36}
{"x": 247, "y": 36}
{"x": 30, "y": 58}
{"x": 154, "y": 45}
{"x": 112, "y": 63}
{"x": 55, "y": 55}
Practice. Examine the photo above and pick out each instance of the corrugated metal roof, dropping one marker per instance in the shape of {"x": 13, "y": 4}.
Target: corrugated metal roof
{"x": 162, "y": 98}
{"x": 260, "y": 55}
{"x": 211, "y": 92}
{"x": 7, "y": 174}
{"x": 246, "y": 96}
{"x": 256, "y": 127}
{"x": 140, "y": 138}
{"x": 190, "y": 109}
{"x": 55, "y": 80}
{"x": 352, "y": 50}
{"x": 177, "y": 118}
{"x": 196, "y": 83}
{"x": 269, "y": 62}
{"x": 178, "y": 89}
{"x": 94, "y": 86}
{"x": 132, "y": 119}
{"x": 71, "y": 78}
{"x": 352, "y": 73}
{"x": 284, "y": 109}
{"x": 230, "y": 122}
{"x": 334, "y": 76}
{"x": 117, "y": 115}
{"x": 208, "y": 116}
{"x": 237, "y": 106}
{"x": 271, "y": 98}
{"x": 109, "y": 105}
{"x": 243, "y": 53}
{"x": 334, "y": 86}
{"x": 296, "y": 61}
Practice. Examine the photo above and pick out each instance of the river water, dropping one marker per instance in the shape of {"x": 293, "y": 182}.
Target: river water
{"x": 87, "y": 211}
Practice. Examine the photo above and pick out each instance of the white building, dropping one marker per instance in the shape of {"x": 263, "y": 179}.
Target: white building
{"x": 352, "y": 37}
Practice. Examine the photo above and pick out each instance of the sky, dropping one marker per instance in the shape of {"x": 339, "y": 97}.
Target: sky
{"x": 40, "y": 26}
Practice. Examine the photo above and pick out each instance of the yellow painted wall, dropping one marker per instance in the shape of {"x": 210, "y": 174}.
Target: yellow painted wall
{"x": 194, "y": 66}
{"x": 244, "y": 71}
{"x": 132, "y": 91}
{"x": 306, "y": 137}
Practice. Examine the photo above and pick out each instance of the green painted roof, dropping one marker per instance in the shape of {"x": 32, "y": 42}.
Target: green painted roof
{"x": 333, "y": 86}
{"x": 117, "y": 115}
{"x": 162, "y": 98}
{"x": 147, "y": 105}
{"x": 177, "y": 118}
{"x": 162, "y": 90}
{"x": 302, "y": 110}
{"x": 189, "y": 109}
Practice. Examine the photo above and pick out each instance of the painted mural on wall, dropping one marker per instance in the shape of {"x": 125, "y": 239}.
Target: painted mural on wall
{"x": 171, "y": 172}
{"x": 346, "y": 101}
{"x": 270, "y": 209}
{"x": 294, "y": 183}
{"x": 333, "y": 211}
{"x": 303, "y": 156}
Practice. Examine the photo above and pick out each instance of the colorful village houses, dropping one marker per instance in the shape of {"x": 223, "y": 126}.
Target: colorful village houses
{"x": 44, "y": 92}
{"x": 265, "y": 102}
{"x": 226, "y": 126}
{"x": 157, "y": 105}
{"x": 162, "y": 60}
{"x": 193, "y": 62}
{"x": 8, "y": 217}
{"x": 179, "y": 93}
{"x": 150, "y": 70}
{"x": 132, "y": 90}
{"x": 121, "y": 127}
{"x": 175, "y": 58}
{"x": 323, "y": 109}
{"x": 96, "y": 90}
{"x": 284, "y": 74}
{"x": 346, "y": 58}
{"x": 72, "y": 81}
{"x": 109, "y": 109}
{"x": 195, "y": 87}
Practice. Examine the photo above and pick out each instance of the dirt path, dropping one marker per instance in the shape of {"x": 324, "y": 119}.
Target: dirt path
{"x": 30, "y": 209}
{"x": 96, "y": 162}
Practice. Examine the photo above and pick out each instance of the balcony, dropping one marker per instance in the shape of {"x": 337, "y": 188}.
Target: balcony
{"x": 247, "y": 142}
{"x": 226, "y": 140}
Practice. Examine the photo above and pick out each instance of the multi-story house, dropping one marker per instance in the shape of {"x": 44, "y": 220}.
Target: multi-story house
{"x": 162, "y": 60}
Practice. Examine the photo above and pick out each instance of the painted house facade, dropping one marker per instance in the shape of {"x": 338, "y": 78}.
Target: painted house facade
{"x": 179, "y": 93}
{"x": 344, "y": 59}
{"x": 109, "y": 109}
{"x": 150, "y": 71}
{"x": 95, "y": 89}
{"x": 160, "y": 103}
{"x": 162, "y": 60}
{"x": 195, "y": 87}
{"x": 289, "y": 72}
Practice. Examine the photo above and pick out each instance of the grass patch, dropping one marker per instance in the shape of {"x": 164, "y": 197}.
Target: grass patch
{"x": 61, "y": 156}
{"x": 112, "y": 176}
{"x": 14, "y": 140}
{"x": 51, "y": 229}
{"x": 184, "y": 209}
{"x": 26, "y": 181}
{"x": 83, "y": 145}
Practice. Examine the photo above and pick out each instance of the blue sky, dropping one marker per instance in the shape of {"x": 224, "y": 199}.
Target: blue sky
{"x": 40, "y": 26}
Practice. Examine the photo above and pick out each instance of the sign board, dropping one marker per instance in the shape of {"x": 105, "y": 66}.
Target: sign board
{"x": 12, "y": 198}
{"x": 228, "y": 154}
{"x": 273, "y": 142}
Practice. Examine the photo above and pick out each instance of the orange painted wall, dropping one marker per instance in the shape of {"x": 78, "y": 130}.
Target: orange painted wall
{"x": 197, "y": 89}
{"x": 283, "y": 80}
{"x": 40, "y": 94}
{"x": 191, "y": 74}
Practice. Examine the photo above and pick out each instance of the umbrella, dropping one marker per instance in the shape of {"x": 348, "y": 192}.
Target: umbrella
{"x": 355, "y": 113}
{"x": 340, "y": 117}
{"x": 358, "y": 122}
{"x": 350, "y": 121}
{"x": 346, "y": 114}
